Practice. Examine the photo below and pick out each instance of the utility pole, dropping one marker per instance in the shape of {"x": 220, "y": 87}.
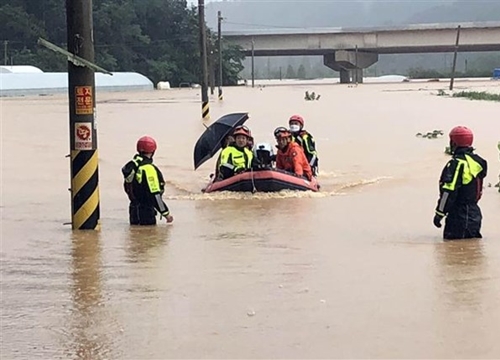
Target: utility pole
{"x": 84, "y": 190}
{"x": 454, "y": 59}
{"x": 356, "y": 78}
{"x": 211, "y": 67}
{"x": 219, "y": 43}
{"x": 5, "y": 57}
{"x": 205, "y": 111}
{"x": 253, "y": 63}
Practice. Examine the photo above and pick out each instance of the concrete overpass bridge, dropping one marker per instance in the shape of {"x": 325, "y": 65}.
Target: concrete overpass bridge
{"x": 350, "y": 50}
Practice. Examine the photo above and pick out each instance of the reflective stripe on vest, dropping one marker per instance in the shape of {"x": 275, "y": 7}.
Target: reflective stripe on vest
{"x": 130, "y": 178}
{"x": 235, "y": 159}
{"x": 302, "y": 140}
{"x": 151, "y": 177}
{"x": 136, "y": 160}
{"x": 471, "y": 169}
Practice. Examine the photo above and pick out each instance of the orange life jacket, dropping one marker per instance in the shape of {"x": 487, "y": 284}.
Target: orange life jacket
{"x": 294, "y": 160}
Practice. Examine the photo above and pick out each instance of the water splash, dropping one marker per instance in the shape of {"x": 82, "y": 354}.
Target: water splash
{"x": 364, "y": 182}
{"x": 178, "y": 187}
{"x": 284, "y": 194}
{"x": 231, "y": 195}
{"x": 334, "y": 174}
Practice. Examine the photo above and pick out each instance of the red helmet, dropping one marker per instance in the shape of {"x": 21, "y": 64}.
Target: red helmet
{"x": 282, "y": 134}
{"x": 297, "y": 118}
{"x": 242, "y": 130}
{"x": 461, "y": 136}
{"x": 279, "y": 130}
{"x": 146, "y": 144}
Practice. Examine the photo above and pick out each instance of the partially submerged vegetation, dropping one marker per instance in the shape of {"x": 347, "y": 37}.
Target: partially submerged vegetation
{"x": 430, "y": 134}
{"x": 419, "y": 73}
{"x": 311, "y": 96}
{"x": 478, "y": 95}
{"x": 472, "y": 95}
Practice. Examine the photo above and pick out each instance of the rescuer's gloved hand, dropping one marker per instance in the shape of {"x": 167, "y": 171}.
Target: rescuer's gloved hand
{"x": 437, "y": 220}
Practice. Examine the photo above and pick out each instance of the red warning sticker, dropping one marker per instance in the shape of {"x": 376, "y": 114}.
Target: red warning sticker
{"x": 83, "y": 136}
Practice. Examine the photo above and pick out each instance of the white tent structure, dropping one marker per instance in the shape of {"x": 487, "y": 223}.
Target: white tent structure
{"x": 22, "y": 69}
{"x": 19, "y": 83}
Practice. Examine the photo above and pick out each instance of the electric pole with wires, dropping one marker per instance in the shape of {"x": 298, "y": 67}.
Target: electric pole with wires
{"x": 205, "y": 111}
{"x": 219, "y": 43}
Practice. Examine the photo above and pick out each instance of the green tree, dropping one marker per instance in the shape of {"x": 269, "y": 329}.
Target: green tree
{"x": 232, "y": 58}
{"x": 116, "y": 32}
{"x": 158, "y": 38}
{"x": 290, "y": 72}
{"x": 301, "y": 73}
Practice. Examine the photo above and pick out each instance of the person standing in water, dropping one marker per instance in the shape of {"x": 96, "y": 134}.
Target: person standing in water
{"x": 460, "y": 188}
{"x": 144, "y": 185}
{"x": 498, "y": 145}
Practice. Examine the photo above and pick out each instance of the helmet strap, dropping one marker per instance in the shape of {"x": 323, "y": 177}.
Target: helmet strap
{"x": 148, "y": 155}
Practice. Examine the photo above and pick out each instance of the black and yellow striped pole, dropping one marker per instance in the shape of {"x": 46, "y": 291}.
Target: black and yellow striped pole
{"x": 83, "y": 134}
{"x": 219, "y": 43}
{"x": 205, "y": 110}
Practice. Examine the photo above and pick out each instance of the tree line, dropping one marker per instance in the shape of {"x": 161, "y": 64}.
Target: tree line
{"x": 157, "y": 38}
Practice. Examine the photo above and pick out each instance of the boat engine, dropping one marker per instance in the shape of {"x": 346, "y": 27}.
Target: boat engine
{"x": 264, "y": 154}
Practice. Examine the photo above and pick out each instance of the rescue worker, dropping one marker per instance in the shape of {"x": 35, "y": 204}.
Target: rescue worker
{"x": 228, "y": 140}
{"x": 305, "y": 140}
{"x": 290, "y": 156}
{"x": 144, "y": 185}
{"x": 236, "y": 157}
{"x": 250, "y": 143}
{"x": 498, "y": 145}
{"x": 460, "y": 188}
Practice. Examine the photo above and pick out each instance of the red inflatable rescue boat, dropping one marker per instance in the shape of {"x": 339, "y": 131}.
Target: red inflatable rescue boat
{"x": 266, "y": 180}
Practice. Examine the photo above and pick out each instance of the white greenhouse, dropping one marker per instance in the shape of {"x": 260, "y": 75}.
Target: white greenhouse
{"x": 26, "y": 80}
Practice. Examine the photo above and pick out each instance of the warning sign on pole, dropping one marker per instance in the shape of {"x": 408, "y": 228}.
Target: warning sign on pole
{"x": 84, "y": 102}
{"x": 83, "y": 136}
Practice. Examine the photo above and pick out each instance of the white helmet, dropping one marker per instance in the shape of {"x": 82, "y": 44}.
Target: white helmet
{"x": 263, "y": 152}
{"x": 263, "y": 147}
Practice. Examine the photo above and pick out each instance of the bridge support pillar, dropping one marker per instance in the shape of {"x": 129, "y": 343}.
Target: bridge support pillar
{"x": 345, "y": 77}
{"x": 350, "y": 64}
{"x": 357, "y": 76}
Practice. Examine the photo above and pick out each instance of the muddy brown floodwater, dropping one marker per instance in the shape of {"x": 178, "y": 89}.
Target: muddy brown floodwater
{"x": 355, "y": 271}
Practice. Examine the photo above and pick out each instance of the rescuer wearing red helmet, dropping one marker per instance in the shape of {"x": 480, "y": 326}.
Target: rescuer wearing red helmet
{"x": 498, "y": 145}
{"x": 460, "y": 188}
{"x": 144, "y": 185}
{"x": 305, "y": 140}
{"x": 290, "y": 156}
{"x": 236, "y": 157}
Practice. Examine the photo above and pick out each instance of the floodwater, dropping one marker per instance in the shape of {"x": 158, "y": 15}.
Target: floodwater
{"x": 356, "y": 271}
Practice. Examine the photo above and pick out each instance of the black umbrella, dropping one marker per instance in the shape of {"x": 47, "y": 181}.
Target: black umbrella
{"x": 211, "y": 140}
